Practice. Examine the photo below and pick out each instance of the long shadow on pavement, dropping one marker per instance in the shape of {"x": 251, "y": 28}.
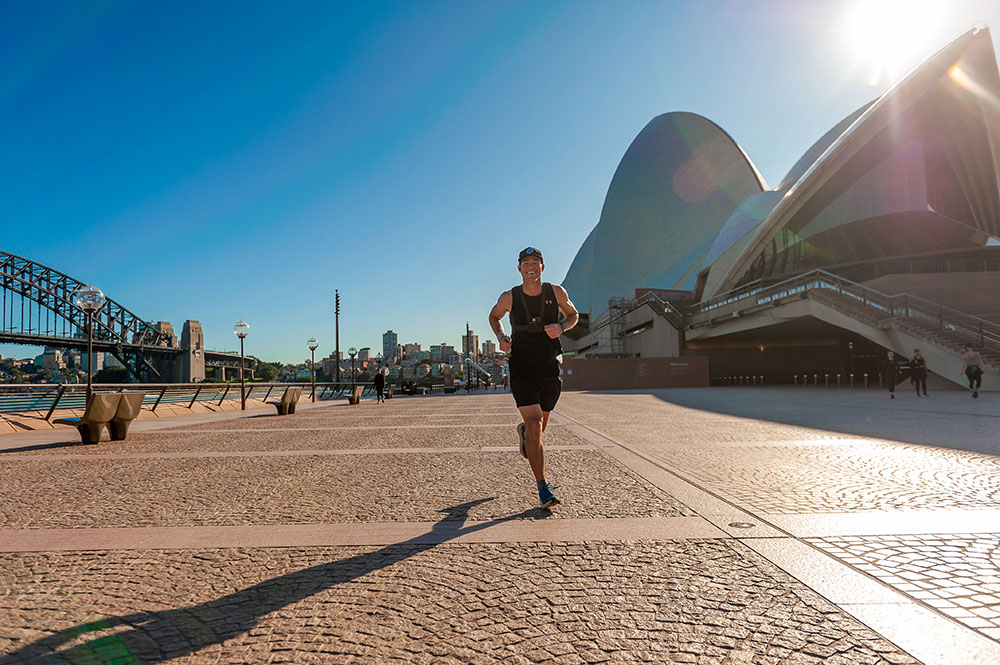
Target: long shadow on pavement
{"x": 947, "y": 420}
{"x": 46, "y": 446}
{"x": 153, "y": 637}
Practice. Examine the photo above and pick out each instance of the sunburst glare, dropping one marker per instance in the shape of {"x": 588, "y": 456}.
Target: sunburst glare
{"x": 885, "y": 38}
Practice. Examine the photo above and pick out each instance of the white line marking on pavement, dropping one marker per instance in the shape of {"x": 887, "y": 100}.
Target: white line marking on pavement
{"x": 40, "y": 457}
{"x": 358, "y": 533}
{"x": 887, "y": 523}
{"x": 365, "y": 428}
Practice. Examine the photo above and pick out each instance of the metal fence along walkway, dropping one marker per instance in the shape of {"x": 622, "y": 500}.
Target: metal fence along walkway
{"x": 19, "y": 398}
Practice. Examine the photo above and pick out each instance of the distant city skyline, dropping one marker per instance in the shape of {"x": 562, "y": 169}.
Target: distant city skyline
{"x": 196, "y": 162}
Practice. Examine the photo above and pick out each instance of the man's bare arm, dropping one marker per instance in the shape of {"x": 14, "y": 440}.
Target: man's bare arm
{"x": 566, "y": 306}
{"x": 504, "y": 303}
{"x": 570, "y": 315}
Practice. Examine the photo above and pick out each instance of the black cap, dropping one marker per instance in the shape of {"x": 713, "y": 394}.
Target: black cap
{"x": 530, "y": 251}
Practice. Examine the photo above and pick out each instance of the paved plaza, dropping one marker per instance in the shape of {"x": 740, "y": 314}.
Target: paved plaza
{"x": 725, "y": 526}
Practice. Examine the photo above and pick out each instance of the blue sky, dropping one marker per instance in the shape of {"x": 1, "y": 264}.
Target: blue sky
{"x": 241, "y": 160}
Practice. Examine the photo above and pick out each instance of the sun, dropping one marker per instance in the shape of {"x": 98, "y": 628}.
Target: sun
{"x": 886, "y": 38}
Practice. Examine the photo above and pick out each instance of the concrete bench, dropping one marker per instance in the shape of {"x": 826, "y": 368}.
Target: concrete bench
{"x": 128, "y": 410}
{"x": 355, "y": 396}
{"x": 101, "y": 409}
{"x": 286, "y": 405}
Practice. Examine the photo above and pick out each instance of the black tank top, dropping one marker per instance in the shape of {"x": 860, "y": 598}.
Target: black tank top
{"x": 534, "y": 351}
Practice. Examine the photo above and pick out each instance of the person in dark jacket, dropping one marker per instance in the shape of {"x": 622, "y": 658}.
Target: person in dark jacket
{"x": 918, "y": 372}
{"x": 379, "y": 387}
{"x": 891, "y": 374}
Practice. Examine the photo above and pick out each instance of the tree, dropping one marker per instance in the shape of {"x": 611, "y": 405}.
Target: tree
{"x": 112, "y": 375}
{"x": 267, "y": 372}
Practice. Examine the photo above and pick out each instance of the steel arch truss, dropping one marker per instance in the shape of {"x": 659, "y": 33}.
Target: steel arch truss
{"x": 37, "y": 308}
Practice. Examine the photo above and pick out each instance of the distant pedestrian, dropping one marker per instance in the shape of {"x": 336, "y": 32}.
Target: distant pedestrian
{"x": 972, "y": 366}
{"x": 918, "y": 372}
{"x": 379, "y": 387}
{"x": 891, "y": 374}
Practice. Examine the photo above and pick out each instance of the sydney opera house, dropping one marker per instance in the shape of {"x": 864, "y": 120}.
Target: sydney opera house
{"x": 884, "y": 235}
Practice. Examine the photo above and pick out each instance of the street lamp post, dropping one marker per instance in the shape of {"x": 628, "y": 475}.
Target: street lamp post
{"x": 313, "y": 344}
{"x": 468, "y": 358}
{"x": 241, "y": 330}
{"x": 336, "y": 348}
{"x": 352, "y": 352}
{"x": 90, "y": 299}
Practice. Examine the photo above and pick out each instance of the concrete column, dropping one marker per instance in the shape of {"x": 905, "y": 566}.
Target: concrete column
{"x": 193, "y": 358}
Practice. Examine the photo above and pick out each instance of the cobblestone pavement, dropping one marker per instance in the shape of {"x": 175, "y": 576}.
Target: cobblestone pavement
{"x": 310, "y": 489}
{"x": 687, "y": 602}
{"x": 842, "y": 478}
{"x": 958, "y": 574}
{"x": 720, "y": 457}
{"x": 945, "y": 419}
{"x": 292, "y": 439}
{"x": 836, "y": 452}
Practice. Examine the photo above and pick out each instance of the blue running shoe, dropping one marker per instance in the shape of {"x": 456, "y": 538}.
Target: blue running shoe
{"x": 547, "y": 498}
{"x": 520, "y": 433}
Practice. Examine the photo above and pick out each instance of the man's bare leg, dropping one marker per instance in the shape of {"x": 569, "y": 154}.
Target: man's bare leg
{"x": 534, "y": 420}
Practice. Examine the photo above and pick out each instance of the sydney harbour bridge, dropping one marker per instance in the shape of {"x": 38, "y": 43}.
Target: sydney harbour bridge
{"x": 38, "y": 309}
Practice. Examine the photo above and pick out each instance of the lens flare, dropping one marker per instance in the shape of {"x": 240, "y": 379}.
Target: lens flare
{"x": 989, "y": 97}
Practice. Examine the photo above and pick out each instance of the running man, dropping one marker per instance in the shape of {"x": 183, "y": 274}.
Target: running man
{"x": 534, "y": 308}
{"x": 972, "y": 367}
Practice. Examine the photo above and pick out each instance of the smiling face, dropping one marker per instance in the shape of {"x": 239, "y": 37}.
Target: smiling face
{"x": 531, "y": 269}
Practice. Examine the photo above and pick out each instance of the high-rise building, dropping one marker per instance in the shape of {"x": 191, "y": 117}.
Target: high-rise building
{"x": 99, "y": 363}
{"x": 364, "y": 354}
{"x": 470, "y": 344}
{"x": 489, "y": 348}
{"x": 53, "y": 359}
{"x": 389, "y": 342}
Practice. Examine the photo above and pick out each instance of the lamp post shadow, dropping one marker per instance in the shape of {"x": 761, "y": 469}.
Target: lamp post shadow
{"x": 153, "y": 637}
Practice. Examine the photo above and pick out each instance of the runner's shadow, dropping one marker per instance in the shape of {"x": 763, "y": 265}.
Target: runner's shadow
{"x": 153, "y": 637}
{"x": 45, "y": 446}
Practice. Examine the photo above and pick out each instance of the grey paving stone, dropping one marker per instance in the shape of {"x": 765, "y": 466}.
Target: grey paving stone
{"x": 314, "y": 489}
{"x": 667, "y": 601}
{"x": 921, "y": 558}
{"x": 197, "y": 440}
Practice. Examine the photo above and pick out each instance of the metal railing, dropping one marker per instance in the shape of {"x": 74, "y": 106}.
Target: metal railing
{"x": 662, "y": 307}
{"x": 980, "y": 332}
{"x": 18, "y": 398}
{"x": 883, "y": 267}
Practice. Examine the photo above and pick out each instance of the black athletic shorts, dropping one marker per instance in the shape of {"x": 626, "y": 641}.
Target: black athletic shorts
{"x": 529, "y": 389}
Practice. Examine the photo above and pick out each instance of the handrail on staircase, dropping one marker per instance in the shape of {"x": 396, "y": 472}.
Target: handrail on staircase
{"x": 902, "y": 305}
{"x": 667, "y": 310}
